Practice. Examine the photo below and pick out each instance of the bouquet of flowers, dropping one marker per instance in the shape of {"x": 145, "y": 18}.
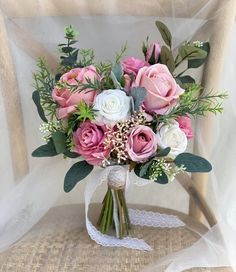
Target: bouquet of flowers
{"x": 131, "y": 114}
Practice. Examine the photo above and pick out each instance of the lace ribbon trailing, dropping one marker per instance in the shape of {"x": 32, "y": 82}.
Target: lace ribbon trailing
{"x": 137, "y": 217}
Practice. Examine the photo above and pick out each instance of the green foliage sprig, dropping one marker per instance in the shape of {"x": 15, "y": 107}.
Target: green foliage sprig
{"x": 192, "y": 102}
{"x": 69, "y": 53}
{"x": 44, "y": 84}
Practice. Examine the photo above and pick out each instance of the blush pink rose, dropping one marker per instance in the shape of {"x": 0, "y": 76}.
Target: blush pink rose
{"x": 89, "y": 143}
{"x": 141, "y": 144}
{"x": 185, "y": 125}
{"x": 132, "y": 65}
{"x": 67, "y": 99}
{"x": 154, "y": 51}
{"x": 162, "y": 90}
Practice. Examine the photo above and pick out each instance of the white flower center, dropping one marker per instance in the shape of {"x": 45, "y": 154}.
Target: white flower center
{"x": 112, "y": 104}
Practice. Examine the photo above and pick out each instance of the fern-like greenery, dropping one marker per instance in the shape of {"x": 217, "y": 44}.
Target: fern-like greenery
{"x": 194, "y": 102}
{"x": 44, "y": 84}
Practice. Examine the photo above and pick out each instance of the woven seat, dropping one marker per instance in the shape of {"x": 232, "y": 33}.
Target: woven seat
{"x": 58, "y": 244}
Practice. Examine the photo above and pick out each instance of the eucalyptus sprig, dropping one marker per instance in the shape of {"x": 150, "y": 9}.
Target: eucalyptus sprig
{"x": 69, "y": 54}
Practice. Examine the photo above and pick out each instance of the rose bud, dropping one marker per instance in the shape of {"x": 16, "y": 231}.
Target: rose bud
{"x": 153, "y": 53}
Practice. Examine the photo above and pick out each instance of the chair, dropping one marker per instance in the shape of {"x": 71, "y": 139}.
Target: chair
{"x": 29, "y": 255}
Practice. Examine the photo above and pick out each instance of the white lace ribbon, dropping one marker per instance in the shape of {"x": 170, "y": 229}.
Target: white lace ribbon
{"x": 137, "y": 217}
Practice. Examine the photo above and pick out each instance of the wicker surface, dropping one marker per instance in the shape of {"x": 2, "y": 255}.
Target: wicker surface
{"x": 58, "y": 245}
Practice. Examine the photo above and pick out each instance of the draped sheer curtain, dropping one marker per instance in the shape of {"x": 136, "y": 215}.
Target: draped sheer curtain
{"x": 23, "y": 202}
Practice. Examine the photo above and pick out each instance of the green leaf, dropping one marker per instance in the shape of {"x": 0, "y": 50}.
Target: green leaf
{"x": 117, "y": 70}
{"x": 167, "y": 58}
{"x": 186, "y": 79}
{"x": 191, "y": 52}
{"x": 152, "y": 59}
{"x": 163, "y": 152}
{"x": 71, "y": 60}
{"x": 71, "y": 154}
{"x": 59, "y": 140}
{"x": 137, "y": 170}
{"x": 193, "y": 163}
{"x": 47, "y": 150}
{"x": 36, "y": 99}
{"x": 144, "y": 49}
{"x": 144, "y": 169}
{"x": 67, "y": 49}
{"x": 195, "y": 63}
{"x": 76, "y": 173}
{"x": 163, "y": 179}
{"x": 165, "y": 33}
{"x": 138, "y": 94}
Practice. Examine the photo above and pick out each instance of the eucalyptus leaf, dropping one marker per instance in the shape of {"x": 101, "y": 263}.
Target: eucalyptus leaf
{"x": 195, "y": 63}
{"x": 115, "y": 81}
{"x": 163, "y": 152}
{"x": 193, "y": 163}
{"x": 186, "y": 79}
{"x": 137, "y": 170}
{"x": 59, "y": 140}
{"x": 36, "y": 99}
{"x": 117, "y": 70}
{"x": 165, "y": 33}
{"x": 71, "y": 154}
{"x": 76, "y": 173}
{"x": 191, "y": 52}
{"x": 167, "y": 58}
{"x": 138, "y": 94}
{"x": 144, "y": 169}
{"x": 71, "y": 60}
{"x": 67, "y": 49}
{"x": 47, "y": 150}
{"x": 163, "y": 179}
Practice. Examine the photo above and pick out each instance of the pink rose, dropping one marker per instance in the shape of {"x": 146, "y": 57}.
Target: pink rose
{"x": 67, "y": 99}
{"x": 153, "y": 53}
{"x": 132, "y": 65}
{"x": 185, "y": 125}
{"x": 141, "y": 144}
{"x": 89, "y": 142}
{"x": 162, "y": 90}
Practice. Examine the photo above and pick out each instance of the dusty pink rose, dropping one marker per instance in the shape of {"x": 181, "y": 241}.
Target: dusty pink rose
{"x": 132, "y": 65}
{"x": 185, "y": 125}
{"x": 89, "y": 143}
{"x": 162, "y": 90}
{"x": 141, "y": 144}
{"x": 153, "y": 50}
{"x": 66, "y": 99}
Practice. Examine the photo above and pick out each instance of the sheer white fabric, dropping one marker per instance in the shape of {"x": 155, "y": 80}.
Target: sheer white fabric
{"x": 23, "y": 204}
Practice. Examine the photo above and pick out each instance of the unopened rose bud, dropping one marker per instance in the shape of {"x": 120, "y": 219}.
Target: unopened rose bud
{"x": 153, "y": 53}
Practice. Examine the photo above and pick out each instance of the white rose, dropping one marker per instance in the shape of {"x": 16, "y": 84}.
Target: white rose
{"x": 112, "y": 106}
{"x": 170, "y": 135}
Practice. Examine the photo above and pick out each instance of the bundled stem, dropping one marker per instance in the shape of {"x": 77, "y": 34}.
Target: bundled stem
{"x": 107, "y": 217}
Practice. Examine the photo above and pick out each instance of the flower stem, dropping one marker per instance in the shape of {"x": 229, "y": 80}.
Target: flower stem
{"x": 120, "y": 214}
{"x": 109, "y": 213}
{"x": 126, "y": 214}
{"x": 103, "y": 209}
{"x": 104, "y": 218}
